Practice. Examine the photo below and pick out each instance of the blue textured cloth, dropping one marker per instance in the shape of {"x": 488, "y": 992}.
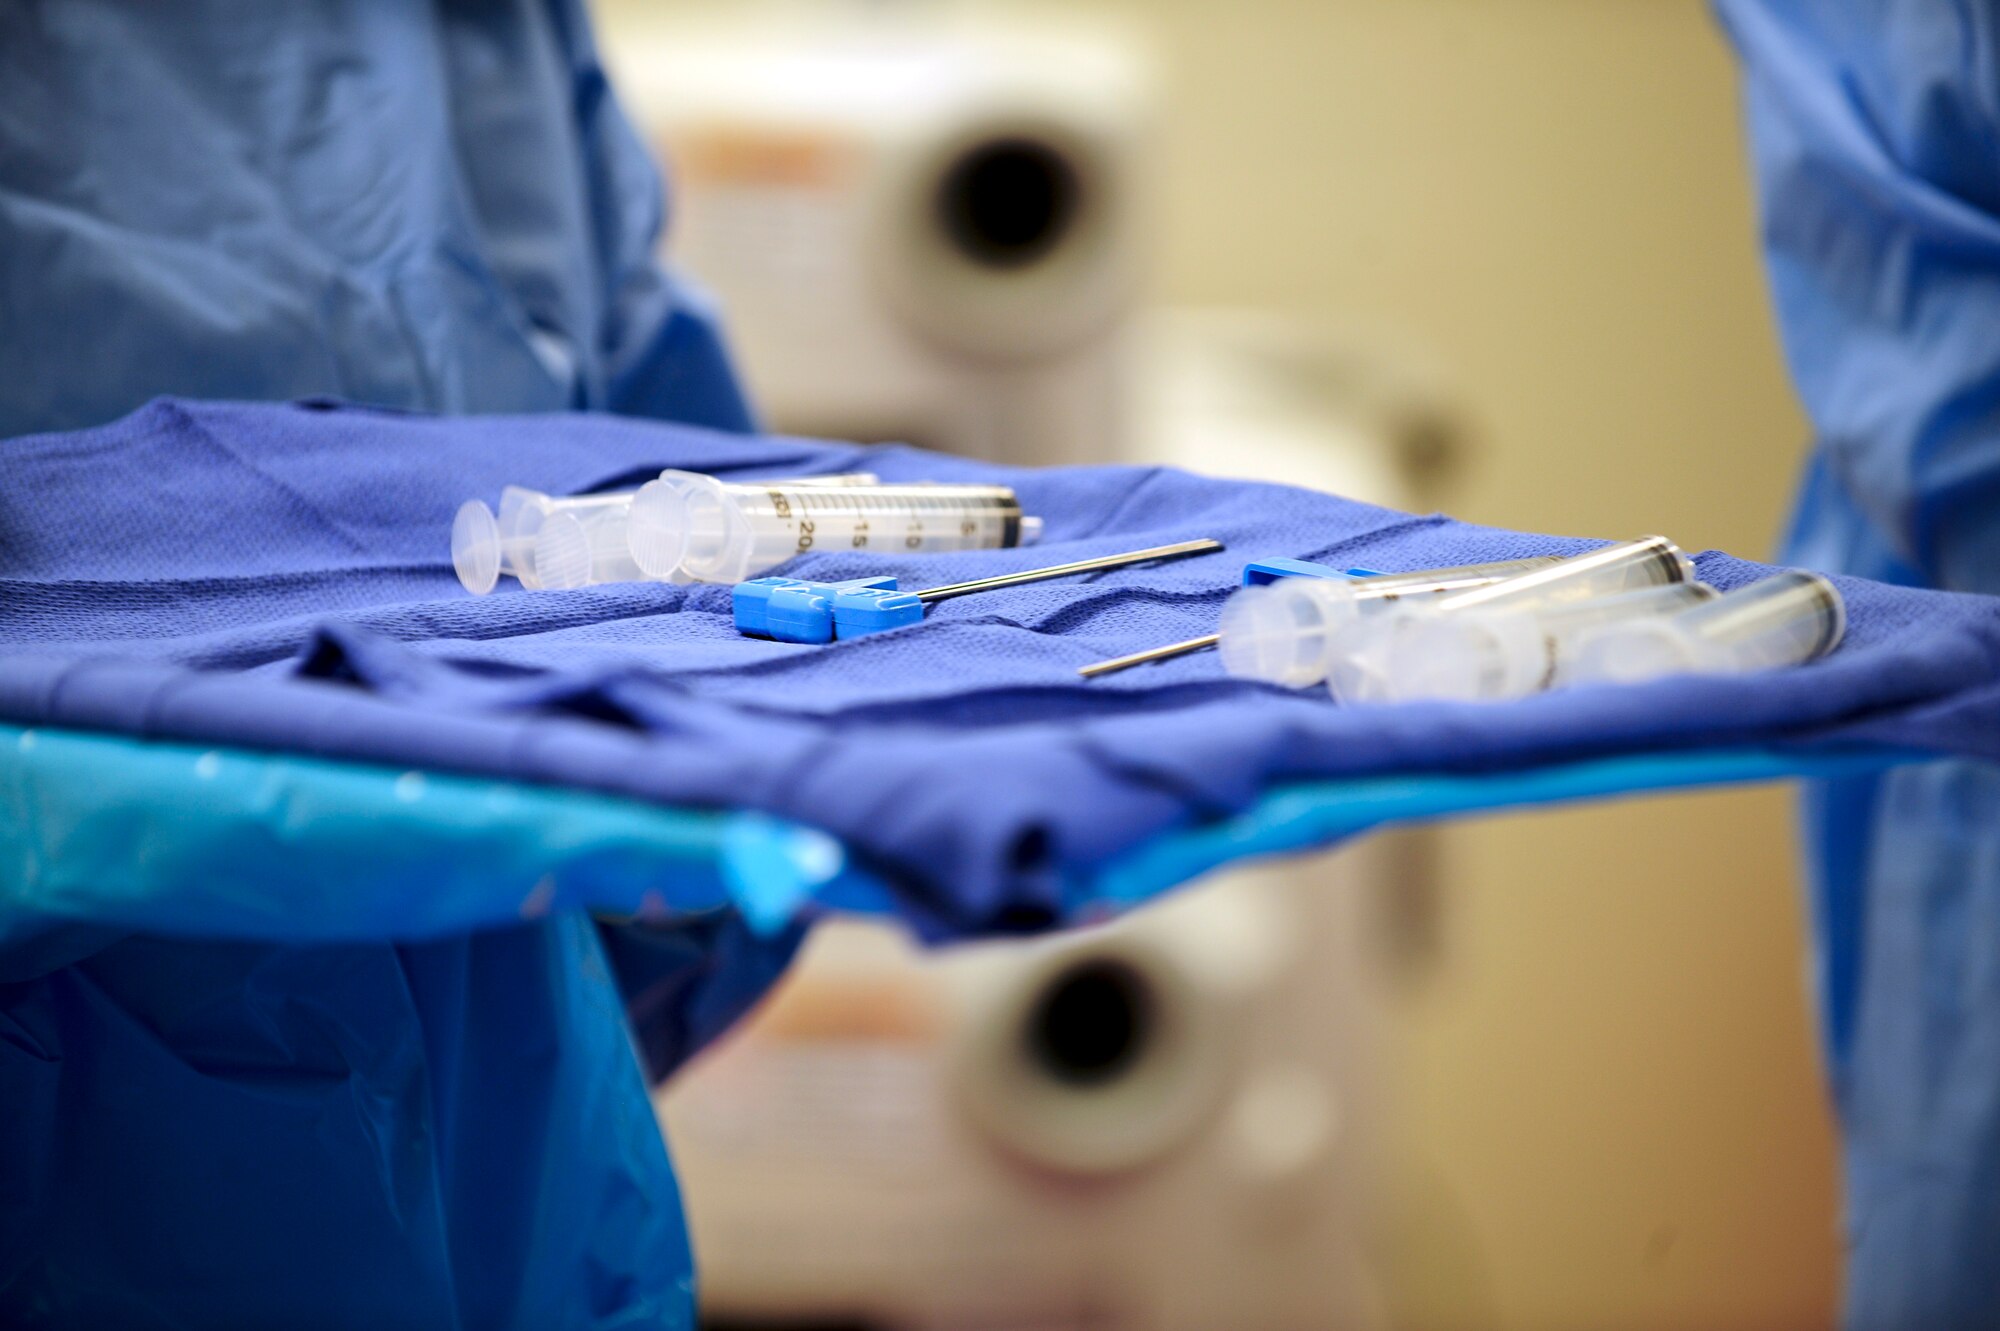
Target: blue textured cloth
{"x": 277, "y": 576}
{"x": 285, "y": 583}
{"x": 1876, "y": 130}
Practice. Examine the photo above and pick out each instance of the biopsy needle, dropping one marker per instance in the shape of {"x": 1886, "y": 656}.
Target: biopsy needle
{"x": 1172, "y": 649}
{"x": 800, "y": 611}
{"x": 1174, "y": 551}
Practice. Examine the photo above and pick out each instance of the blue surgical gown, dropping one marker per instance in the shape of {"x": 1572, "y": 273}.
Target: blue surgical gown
{"x": 1875, "y": 127}
{"x": 430, "y": 204}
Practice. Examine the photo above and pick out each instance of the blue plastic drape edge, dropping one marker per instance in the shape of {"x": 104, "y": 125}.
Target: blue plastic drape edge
{"x": 1313, "y": 815}
{"x": 183, "y": 840}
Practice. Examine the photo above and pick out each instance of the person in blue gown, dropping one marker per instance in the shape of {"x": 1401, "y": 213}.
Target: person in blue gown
{"x": 423, "y": 204}
{"x": 436, "y": 204}
{"x": 1875, "y": 129}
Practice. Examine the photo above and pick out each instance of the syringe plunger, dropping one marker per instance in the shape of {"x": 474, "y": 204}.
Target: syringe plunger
{"x": 485, "y": 545}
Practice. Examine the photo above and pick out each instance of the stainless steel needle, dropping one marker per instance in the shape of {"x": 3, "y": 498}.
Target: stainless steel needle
{"x": 1178, "y": 550}
{"x": 1172, "y": 649}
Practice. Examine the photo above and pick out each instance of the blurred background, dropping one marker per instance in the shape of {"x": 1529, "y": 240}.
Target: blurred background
{"x": 1495, "y": 257}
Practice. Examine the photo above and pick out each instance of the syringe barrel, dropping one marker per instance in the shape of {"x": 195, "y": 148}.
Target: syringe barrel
{"x": 1283, "y": 632}
{"x": 733, "y": 532}
{"x": 1650, "y": 561}
{"x": 1492, "y": 654}
{"x": 1784, "y": 620}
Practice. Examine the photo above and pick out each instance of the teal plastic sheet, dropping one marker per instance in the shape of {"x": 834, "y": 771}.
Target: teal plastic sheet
{"x": 185, "y": 841}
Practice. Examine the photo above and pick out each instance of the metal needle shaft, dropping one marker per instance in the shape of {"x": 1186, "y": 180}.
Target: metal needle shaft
{"x": 1175, "y": 551}
{"x": 1172, "y": 649}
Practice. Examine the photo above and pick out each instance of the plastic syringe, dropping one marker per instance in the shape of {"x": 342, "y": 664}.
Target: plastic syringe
{"x": 562, "y": 541}
{"x": 1485, "y": 655}
{"x": 581, "y": 548}
{"x": 584, "y": 545}
{"x": 715, "y": 532}
{"x": 1785, "y": 620}
{"x": 1361, "y": 655}
{"x": 1284, "y": 632}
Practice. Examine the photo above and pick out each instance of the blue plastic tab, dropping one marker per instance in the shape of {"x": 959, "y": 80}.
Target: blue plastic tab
{"x": 1263, "y": 572}
{"x": 862, "y": 611}
{"x": 794, "y": 609}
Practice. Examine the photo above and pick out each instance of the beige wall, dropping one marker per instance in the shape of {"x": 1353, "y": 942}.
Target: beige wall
{"x": 1610, "y": 1076}
{"x": 1549, "y": 195}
